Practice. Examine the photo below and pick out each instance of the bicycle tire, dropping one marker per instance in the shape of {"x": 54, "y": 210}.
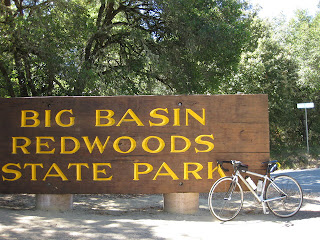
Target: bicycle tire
{"x": 289, "y": 205}
{"x": 225, "y": 199}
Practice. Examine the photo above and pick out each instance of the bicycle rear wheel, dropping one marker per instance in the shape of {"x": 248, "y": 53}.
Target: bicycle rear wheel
{"x": 288, "y": 194}
{"x": 225, "y": 199}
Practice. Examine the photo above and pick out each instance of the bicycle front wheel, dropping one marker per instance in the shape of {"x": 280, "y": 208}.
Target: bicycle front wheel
{"x": 225, "y": 199}
{"x": 286, "y": 194}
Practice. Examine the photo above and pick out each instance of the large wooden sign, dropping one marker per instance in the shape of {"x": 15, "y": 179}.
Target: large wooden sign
{"x": 127, "y": 144}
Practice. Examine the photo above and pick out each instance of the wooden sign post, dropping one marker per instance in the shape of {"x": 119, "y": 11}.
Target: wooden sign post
{"x": 127, "y": 144}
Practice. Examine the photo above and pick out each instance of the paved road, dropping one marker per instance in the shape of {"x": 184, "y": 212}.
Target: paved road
{"x": 99, "y": 217}
{"x": 309, "y": 179}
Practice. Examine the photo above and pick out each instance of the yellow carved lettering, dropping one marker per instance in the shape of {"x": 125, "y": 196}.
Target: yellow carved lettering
{"x": 63, "y": 145}
{"x": 17, "y": 173}
{"x": 33, "y": 169}
{"x": 45, "y": 144}
{"x": 173, "y": 144}
{"x": 209, "y": 144}
{"x": 34, "y": 118}
{"x": 154, "y": 114}
{"x": 133, "y": 144}
{"x": 78, "y": 169}
{"x": 108, "y": 117}
{"x": 58, "y": 173}
{"x": 201, "y": 120}
{"x": 134, "y": 118}
{"x": 97, "y": 142}
{"x": 168, "y": 173}
{"x": 47, "y": 118}
{"x": 194, "y": 172}
{"x": 146, "y": 147}
{"x": 176, "y": 117}
{"x": 71, "y": 119}
{"x": 211, "y": 170}
{"x": 136, "y": 172}
{"x": 96, "y": 171}
{"x": 22, "y": 147}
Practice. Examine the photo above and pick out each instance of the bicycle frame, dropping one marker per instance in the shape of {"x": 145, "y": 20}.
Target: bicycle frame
{"x": 261, "y": 199}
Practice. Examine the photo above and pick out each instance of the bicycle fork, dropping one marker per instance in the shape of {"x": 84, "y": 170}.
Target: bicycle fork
{"x": 231, "y": 188}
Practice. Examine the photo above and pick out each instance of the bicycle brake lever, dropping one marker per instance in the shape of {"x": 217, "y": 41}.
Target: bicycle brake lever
{"x": 221, "y": 165}
{"x": 224, "y": 169}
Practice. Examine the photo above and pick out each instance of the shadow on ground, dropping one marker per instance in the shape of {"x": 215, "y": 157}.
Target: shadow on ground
{"x": 127, "y": 217}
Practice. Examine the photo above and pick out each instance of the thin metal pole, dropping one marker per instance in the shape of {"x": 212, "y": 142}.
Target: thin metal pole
{"x": 307, "y": 136}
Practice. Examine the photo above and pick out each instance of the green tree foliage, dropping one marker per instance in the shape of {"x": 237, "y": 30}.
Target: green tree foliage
{"x": 203, "y": 42}
{"x": 176, "y": 46}
{"x": 283, "y": 65}
{"x": 270, "y": 69}
{"x": 98, "y": 47}
{"x": 38, "y": 41}
{"x": 302, "y": 38}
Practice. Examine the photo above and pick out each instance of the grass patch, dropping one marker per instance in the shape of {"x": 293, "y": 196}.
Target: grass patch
{"x": 296, "y": 157}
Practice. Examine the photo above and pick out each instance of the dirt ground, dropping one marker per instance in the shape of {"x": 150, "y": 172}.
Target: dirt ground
{"x": 142, "y": 217}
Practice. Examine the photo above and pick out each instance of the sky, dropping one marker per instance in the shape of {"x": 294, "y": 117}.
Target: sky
{"x": 273, "y": 8}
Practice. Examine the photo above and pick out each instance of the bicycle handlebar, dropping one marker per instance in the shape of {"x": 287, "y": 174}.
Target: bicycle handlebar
{"x": 230, "y": 161}
{"x": 221, "y": 163}
{"x": 236, "y": 165}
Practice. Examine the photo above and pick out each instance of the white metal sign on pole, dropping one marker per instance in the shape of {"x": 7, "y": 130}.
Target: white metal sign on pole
{"x": 305, "y": 106}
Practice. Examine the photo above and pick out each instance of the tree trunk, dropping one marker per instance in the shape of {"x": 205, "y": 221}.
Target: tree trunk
{"x": 21, "y": 78}
{"x": 7, "y": 79}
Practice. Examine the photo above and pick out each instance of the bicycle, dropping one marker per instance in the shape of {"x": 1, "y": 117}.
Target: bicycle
{"x": 220, "y": 169}
{"x": 281, "y": 194}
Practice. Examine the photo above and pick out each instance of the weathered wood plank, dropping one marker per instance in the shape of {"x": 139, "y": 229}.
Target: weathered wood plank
{"x": 55, "y": 156}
